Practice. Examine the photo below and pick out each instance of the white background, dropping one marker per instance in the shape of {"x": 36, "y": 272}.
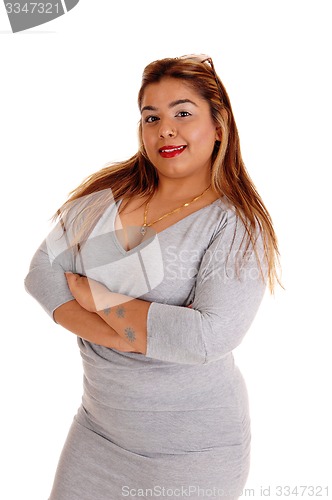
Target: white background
{"x": 68, "y": 106}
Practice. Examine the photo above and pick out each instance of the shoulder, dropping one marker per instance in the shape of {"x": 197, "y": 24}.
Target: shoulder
{"x": 234, "y": 230}
{"x": 226, "y": 215}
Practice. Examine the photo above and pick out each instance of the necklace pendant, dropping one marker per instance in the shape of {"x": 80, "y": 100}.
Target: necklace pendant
{"x": 143, "y": 230}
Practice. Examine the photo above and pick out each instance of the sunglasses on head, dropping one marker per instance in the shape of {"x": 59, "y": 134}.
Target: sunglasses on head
{"x": 203, "y": 58}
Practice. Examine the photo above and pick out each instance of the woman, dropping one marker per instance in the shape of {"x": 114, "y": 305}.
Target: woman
{"x": 158, "y": 265}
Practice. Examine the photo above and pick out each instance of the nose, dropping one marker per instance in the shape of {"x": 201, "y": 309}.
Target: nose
{"x": 166, "y": 130}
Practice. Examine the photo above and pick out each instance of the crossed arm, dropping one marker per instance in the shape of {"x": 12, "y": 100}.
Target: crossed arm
{"x": 222, "y": 311}
{"x": 119, "y": 323}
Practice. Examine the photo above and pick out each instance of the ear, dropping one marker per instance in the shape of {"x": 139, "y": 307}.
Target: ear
{"x": 218, "y": 134}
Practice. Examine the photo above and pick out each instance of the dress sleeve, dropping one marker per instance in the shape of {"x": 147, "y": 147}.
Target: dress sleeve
{"x": 230, "y": 285}
{"x": 45, "y": 280}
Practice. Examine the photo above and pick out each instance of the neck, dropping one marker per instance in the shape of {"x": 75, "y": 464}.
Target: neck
{"x": 180, "y": 191}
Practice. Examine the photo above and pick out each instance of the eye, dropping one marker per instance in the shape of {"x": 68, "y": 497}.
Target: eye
{"x": 182, "y": 114}
{"x": 151, "y": 119}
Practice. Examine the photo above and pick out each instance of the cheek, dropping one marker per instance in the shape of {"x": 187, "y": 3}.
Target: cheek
{"x": 205, "y": 138}
{"x": 143, "y": 135}
{"x": 146, "y": 138}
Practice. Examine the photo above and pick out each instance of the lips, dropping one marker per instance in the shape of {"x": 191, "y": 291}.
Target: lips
{"x": 171, "y": 151}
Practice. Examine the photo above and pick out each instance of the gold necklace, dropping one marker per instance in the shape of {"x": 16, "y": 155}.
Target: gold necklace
{"x": 145, "y": 224}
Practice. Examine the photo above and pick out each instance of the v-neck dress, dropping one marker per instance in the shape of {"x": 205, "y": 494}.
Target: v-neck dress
{"x": 174, "y": 422}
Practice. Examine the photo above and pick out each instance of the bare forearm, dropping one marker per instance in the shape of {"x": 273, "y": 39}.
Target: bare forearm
{"x": 128, "y": 317}
{"x": 90, "y": 326}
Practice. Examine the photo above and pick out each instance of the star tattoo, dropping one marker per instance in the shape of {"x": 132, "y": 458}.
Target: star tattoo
{"x": 120, "y": 312}
{"x": 130, "y": 334}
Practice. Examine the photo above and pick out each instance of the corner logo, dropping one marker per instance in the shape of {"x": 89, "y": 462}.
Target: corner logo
{"x": 24, "y": 15}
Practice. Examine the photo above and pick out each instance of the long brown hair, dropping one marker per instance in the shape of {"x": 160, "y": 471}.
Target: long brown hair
{"x": 229, "y": 177}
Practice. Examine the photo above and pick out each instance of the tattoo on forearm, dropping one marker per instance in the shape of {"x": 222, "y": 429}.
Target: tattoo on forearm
{"x": 107, "y": 310}
{"x": 120, "y": 312}
{"x": 130, "y": 334}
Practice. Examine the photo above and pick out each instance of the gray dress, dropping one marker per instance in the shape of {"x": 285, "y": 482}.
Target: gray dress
{"x": 173, "y": 423}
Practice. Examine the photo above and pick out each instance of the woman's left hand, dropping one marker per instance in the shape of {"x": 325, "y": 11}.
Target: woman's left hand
{"x": 89, "y": 293}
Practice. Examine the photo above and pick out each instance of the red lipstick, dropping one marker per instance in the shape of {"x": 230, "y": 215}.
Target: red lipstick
{"x": 171, "y": 151}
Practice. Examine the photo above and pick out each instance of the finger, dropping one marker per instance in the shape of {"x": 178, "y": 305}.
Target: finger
{"x": 72, "y": 279}
{"x": 70, "y": 275}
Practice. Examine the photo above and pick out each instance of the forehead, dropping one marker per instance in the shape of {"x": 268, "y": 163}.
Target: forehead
{"x": 169, "y": 90}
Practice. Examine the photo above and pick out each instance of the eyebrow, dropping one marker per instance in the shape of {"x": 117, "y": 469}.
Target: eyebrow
{"x": 171, "y": 105}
